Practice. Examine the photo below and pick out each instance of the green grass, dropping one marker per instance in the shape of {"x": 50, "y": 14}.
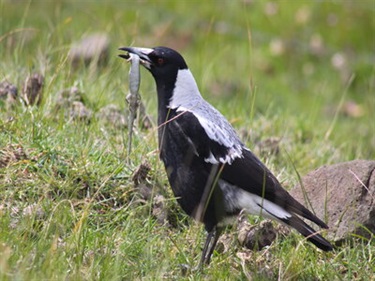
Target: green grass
{"x": 69, "y": 210}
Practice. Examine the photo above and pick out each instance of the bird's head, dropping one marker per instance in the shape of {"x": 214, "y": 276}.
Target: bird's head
{"x": 175, "y": 84}
{"x": 160, "y": 61}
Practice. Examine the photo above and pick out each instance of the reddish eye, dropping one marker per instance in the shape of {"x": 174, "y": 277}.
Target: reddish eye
{"x": 160, "y": 61}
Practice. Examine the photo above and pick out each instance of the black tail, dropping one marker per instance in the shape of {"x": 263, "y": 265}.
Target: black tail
{"x": 308, "y": 232}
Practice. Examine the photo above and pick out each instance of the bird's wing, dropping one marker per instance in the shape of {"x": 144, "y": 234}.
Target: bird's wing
{"x": 215, "y": 141}
{"x": 209, "y": 132}
{"x": 252, "y": 176}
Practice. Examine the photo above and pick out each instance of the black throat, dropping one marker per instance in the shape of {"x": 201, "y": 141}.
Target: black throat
{"x": 164, "y": 87}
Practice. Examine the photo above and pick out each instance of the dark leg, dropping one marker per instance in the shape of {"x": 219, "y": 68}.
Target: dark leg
{"x": 209, "y": 246}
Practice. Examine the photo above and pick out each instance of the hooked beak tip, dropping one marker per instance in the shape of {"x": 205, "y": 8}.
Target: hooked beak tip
{"x": 126, "y": 49}
{"x": 141, "y": 52}
{"x": 124, "y": 56}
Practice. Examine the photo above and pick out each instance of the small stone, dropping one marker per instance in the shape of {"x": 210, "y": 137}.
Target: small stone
{"x": 8, "y": 93}
{"x": 10, "y": 154}
{"x": 159, "y": 209}
{"x": 256, "y": 237}
{"x": 224, "y": 243}
{"x": 267, "y": 147}
{"x": 35, "y": 210}
{"x": 32, "y": 89}
{"x": 78, "y": 111}
{"x": 140, "y": 174}
{"x": 352, "y": 109}
{"x": 113, "y": 115}
{"x": 72, "y": 101}
{"x": 92, "y": 49}
{"x": 145, "y": 191}
{"x": 66, "y": 97}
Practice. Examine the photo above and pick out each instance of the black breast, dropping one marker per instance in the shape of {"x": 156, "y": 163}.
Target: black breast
{"x": 190, "y": 177}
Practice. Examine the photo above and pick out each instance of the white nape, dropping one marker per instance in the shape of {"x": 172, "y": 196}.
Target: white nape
{"x": 186, "y": 97}
{"x": 186, "y": 92}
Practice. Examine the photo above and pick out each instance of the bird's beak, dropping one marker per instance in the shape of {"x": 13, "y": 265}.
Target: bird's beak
{"x": 143, "y": 54}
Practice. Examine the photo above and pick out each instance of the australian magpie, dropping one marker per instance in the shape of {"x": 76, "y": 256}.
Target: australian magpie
{"x": 212, "y": 174}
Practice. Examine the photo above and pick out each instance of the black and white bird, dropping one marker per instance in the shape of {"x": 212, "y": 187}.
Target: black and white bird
{"x": 212, "y": 174}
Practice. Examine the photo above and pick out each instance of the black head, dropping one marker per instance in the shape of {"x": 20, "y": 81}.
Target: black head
{"x": 160, "y": 61}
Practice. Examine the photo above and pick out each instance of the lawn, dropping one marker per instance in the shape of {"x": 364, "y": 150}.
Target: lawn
{"x": 298, "y": 72}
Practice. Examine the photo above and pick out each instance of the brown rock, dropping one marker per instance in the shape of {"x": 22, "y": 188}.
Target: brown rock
{"x": 267, "y": 147}
{"x": 34, "y": 210}
{"x": 92, "y": 49}
{"x": 145, "y": 191}
{"x": 113, "y": 115}
{"x": 73, "y": 102}
{"x": 78, "y": 111}
{"x": 160, "y": 209}
{"x": 8, "y": 93}
{"x": 32, "y": 89}
{"x": 256, "y": 237}
{"x": 141, "y": 173}
{"x": 66, "y": 97}
{"x": 10, "y": 154}
{"x": 343, "y": 195}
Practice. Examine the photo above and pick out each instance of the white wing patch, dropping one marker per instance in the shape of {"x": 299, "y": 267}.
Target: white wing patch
{"x": 186, "y": 97}
{"x": 224, "y": 135}
{"x": 257, "y": 205}
{"x": 237, "y": 198}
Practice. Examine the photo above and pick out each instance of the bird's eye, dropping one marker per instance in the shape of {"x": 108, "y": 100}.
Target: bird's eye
{"x": 160, "y": 61}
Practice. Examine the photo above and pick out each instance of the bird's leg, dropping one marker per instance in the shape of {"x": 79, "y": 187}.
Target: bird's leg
{"x": 209, "y": 246}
